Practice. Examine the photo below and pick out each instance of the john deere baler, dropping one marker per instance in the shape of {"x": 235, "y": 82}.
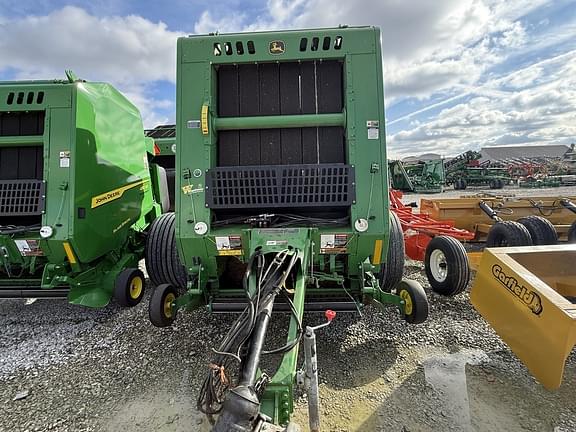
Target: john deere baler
{"x": 76, "y": 192}
{"x": 281, "y": 205}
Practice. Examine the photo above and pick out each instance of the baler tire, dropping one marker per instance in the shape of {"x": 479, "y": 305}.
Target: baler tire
{"x": 159, "y": 309}
{"x": 129, "y": 287}
{"x": 161, "y": 256}
{"x": 392, "y": 270}
{"x": 493, "y": 184}
{"x": 456, "y": 273}
{"x": 541, "y": 230}
{"x": 464, "y": 184}
{"x": 572, "y": 233}
{"x": 457, "y": 184}
{"x": 508, "y": 233}
{"x": 500, "y": 184}
{"x": 416, "y": 306}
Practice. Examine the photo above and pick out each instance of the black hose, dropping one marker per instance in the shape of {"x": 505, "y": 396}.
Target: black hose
{"x": 242, "y": 346}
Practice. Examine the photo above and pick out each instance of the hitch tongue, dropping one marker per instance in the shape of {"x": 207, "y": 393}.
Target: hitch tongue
{"x": 311, "y": 371}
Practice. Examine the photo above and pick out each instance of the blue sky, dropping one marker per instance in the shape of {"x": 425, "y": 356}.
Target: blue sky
{"x": 459, "y": 74}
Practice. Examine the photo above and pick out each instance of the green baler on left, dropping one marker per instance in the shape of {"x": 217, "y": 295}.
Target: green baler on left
{"x": 77, "y": 192}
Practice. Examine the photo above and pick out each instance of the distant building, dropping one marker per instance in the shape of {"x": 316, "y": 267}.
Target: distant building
{"x": 523, "y": 153}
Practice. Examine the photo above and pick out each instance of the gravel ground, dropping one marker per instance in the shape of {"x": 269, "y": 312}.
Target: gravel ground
{"x": 75, "y": 369}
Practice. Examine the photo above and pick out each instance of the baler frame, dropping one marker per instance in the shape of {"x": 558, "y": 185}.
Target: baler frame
{"x": 275, "y": 133}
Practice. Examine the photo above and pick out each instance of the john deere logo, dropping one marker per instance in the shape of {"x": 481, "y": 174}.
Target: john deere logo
{"x": 530, "y": 299}
{"x": 277, "y": 47}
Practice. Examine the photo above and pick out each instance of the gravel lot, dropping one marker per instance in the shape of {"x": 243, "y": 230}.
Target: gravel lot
{"x": 75, "y": 369}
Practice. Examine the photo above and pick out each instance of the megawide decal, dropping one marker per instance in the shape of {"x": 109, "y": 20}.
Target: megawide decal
{"x": 530, "y": 299}
{"x": 277, "y": 47}
{"x": 107, "y": 197}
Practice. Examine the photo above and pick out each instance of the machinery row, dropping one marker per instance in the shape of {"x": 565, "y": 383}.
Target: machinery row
{"x": 466, "y": 169}
{"x": 269, "y": 194}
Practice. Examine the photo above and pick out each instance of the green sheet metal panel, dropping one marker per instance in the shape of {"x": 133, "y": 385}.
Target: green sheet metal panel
{"x": 110, "y": 147}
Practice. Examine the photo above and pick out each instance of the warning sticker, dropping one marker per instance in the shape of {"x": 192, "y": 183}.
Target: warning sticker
{"x": 373, "y": 133}
{"x": 29, "y": 247}
{"x": 65, "y": 159}
{"x": 333, "y": 243}
{"x": 229, "y": 245}
{"x": 276, "y": 242}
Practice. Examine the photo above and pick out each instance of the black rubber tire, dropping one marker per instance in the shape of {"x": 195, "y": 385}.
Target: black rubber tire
{"x": 456, "y": 262}
{"x": 392, "y": 270}
{"x": 418, "y": 301}
{"x": 508, "y": 233}
{"x": 541, "y": 230}
{"x": 161, "y": 256}
{"x": 129, "y": 287}
{"x": 572, "y": 233}
{"x": 500, "y": 184}
{"x": 493, "y": 184}
{"x": 457, "y": 184}
{"x": 463, "y": 184}
{"x": 157, "y": 311}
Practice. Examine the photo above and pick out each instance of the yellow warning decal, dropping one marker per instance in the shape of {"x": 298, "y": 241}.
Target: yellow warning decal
{"x": 105, "y": 198}
{"x": 231, "y": 252}
{"x": 69, "y": 253}
{"x": 204, "y": 119}
{"x": 377, "y": 256}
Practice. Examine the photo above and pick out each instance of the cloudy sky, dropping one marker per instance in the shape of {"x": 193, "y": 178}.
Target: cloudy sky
{"x": 459, "y": 74}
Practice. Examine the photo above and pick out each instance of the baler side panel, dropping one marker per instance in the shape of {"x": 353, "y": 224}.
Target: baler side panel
{"x": 110, "y": 146}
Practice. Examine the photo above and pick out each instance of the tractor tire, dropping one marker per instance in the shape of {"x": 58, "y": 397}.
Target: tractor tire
{"x": 161, "y": 256}
{"x": 541, "y": 230}
{"x": 463, "y": 184}
{"x": 446, "y": 265}
{"x": 500, "y": 184}
{"x": 129, "y": 287}
{"x": 457, "y": 184}
{"x": 392, "y": 270}
{"x": 493, "y": 184}
{"x": 160, "y": 309}
{"x": 572, "y": 233}
{"x": 508, "y": 233}
{"x": 415, "y": 301}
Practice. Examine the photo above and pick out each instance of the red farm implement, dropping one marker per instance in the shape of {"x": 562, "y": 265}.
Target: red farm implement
{"x": 437, "y": 243}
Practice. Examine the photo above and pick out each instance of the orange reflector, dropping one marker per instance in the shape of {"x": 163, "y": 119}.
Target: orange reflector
{"x": 157, "y": 150}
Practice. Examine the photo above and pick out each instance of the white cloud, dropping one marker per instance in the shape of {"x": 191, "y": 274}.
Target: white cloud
{"x": 542, "y": 113}
{"x": 129, "y": 52}
{"x": 116, "y": 49}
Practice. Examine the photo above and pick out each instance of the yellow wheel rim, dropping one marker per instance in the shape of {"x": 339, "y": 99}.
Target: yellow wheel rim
{"x": 405, "y": 296}
{"x": 136, "y": 286}
{"x": 168, "y": 305}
